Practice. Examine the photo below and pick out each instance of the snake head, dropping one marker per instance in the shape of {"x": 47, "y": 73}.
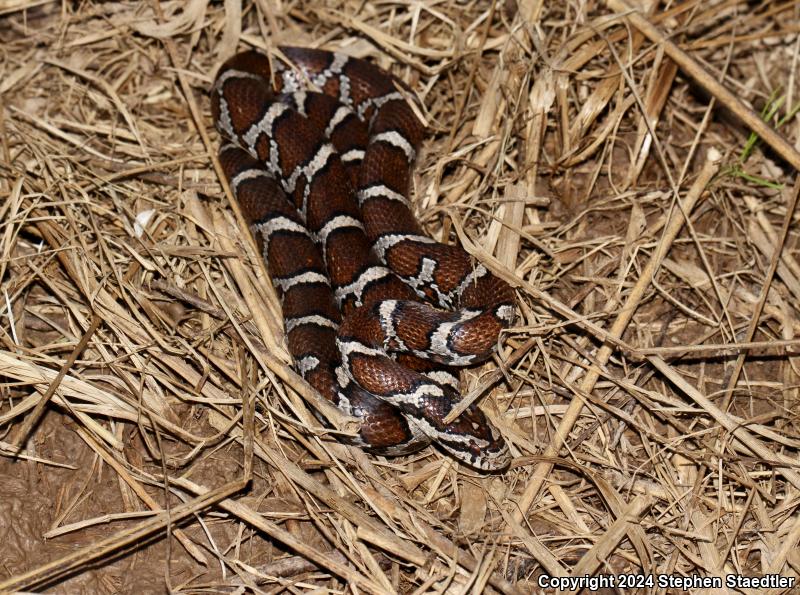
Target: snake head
{"x": 480, "y": 454}
{"x": 474, "y": 441}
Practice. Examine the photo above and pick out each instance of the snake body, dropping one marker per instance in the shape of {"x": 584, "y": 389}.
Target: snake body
{"x": 322, "y": 178}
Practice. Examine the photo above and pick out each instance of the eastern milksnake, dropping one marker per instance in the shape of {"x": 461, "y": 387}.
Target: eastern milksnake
{"x": 323, "y": 180}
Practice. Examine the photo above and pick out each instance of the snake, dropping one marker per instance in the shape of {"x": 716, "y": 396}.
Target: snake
{"x": 318, "y": 149}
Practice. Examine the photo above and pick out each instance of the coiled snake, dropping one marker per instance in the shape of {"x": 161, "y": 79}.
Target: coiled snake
{"x": 323, "y": 179}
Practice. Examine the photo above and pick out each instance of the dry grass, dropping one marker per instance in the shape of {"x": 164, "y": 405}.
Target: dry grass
{"x": 650, "y": 391}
